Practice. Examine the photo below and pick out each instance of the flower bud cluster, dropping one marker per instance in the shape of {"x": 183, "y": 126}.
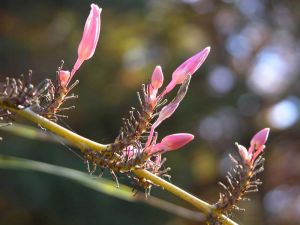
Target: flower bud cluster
{"x": 137, "y": 144}
{"x": 51, "y": 107}
{"x": 241, "y": 179}
{"x": 16, "y": 93}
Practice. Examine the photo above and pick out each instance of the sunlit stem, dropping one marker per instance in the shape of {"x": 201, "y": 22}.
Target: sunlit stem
{"x": 82, "y": 143}
{"x": 201, "y": 205}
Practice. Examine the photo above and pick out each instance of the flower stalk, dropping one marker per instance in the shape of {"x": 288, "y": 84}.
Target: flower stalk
{"x": 82, "y": 143}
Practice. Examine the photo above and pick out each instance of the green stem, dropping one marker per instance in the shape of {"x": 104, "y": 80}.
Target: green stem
{"x": 203, "y": 206}
{"x": 82, "y": 143}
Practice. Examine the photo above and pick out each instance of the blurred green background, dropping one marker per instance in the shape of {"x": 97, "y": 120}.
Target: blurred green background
{"x": 249, "y": 81}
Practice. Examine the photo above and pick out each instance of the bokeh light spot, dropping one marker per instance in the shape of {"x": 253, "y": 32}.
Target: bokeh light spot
{"x": 271, "y": 74}
{"x": 285, "y": 113}
{"x": 238, "y": 46}
{"x": 221, "y": 79}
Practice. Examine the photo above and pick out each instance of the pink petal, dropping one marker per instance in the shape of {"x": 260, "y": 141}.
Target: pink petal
{"x": 169, "y": 109}
{"x": 90, "y": 37}
{"x": 259, "y": 139}
{"x": 156, "y": 148}
{"x": 175, "y": 141}
{"x": 172, "y": 142}
{"x": 164, "y": 114}
{"x": 157, "y": 78}
{"x": 258, "y": 152}
{"x": 189, "y": 67}
{"x": 244, "y": 153}
{"x": 91, "y": 34}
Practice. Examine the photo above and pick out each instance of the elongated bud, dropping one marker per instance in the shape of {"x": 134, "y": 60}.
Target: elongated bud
{"x": 189, "y": 67}
{"x": 157, "y": 79}
{"x": 244, "y": 153}
{"x": 173, "y": 142}
{"x": 164, "y": 114}
{"x": 169, "y": 109}
{"x": 90, "y": 37}
{"x": 63, "y": 77}
{"x": 260, "y": 138}
{"x": 156, "y": 82}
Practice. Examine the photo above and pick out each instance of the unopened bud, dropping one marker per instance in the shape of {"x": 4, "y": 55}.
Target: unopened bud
{"x": 63, "y": 77}
{"x": 189, "y": 67}
{"x": 260, "y": 138}
{"x": 90, "y": 37}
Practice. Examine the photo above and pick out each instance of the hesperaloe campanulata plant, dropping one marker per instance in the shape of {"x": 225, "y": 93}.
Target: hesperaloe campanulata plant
{"x": 137, "y": 150}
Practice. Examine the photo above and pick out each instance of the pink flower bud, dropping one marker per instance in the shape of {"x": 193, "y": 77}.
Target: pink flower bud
{"x": 189, "y": 67}
{"x": 172, "y": 142}
{"x": 244, "y": 153}
{"x": 175, "y": 141}
{"x": 169, "y": 109}
{"x": 90, "y": 37}
{"x": 260, "y": 138}
{"x": 157, "y": 78}
{"x": 156, "y": 82}
{"x": 63, "y": 77}
{"x": 258, "y": 152}
{"x": 164, "y": 114}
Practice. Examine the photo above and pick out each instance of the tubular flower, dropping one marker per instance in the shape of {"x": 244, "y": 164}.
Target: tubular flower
{"x": 189, "y": 67}
{"x": 172, "y": 142}
{"x": 89, "y": 39}
{"x": 260, "y": 138}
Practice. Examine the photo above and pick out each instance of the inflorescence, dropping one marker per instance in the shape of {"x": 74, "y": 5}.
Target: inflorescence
{"x": 242, "y": 177}
{"x": 137, "y": 145}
